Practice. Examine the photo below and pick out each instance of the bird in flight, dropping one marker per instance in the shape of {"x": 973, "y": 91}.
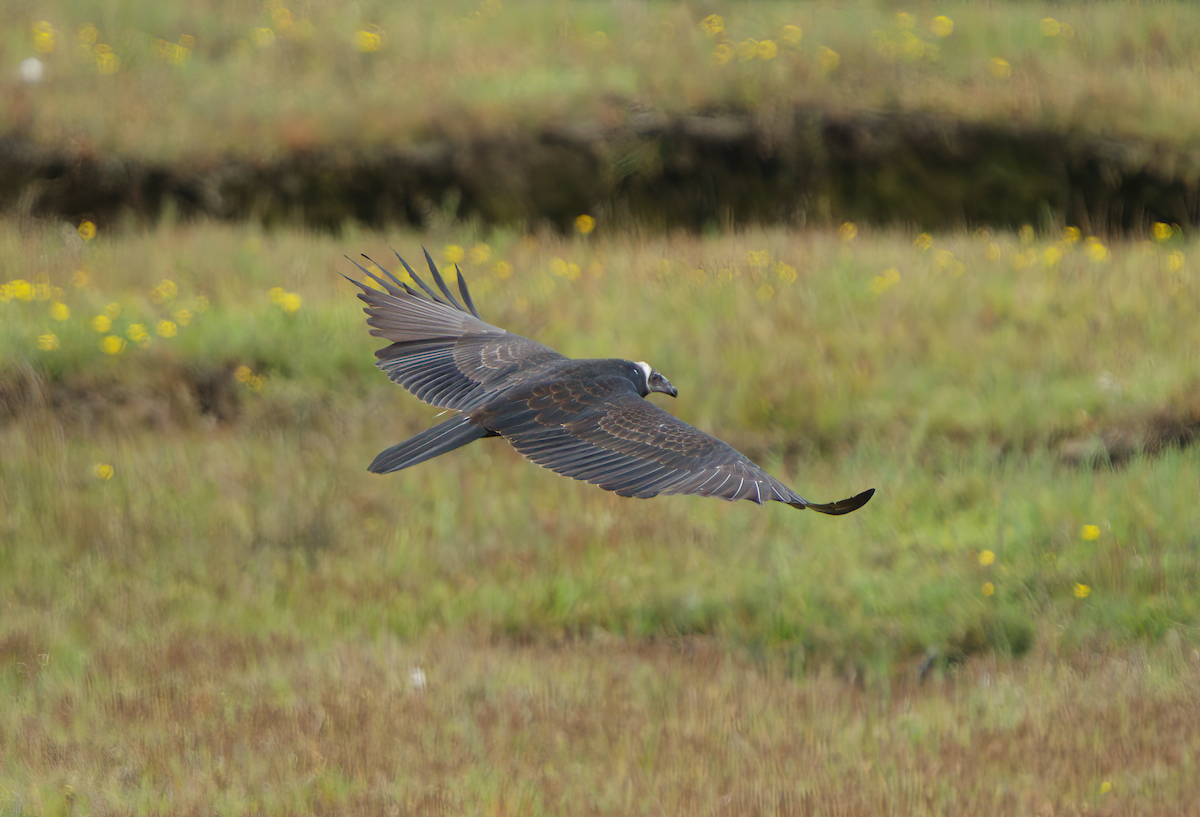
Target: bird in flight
{"x": 584, "y": 419}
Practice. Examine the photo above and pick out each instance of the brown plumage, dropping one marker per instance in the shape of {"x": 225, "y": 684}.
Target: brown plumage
{"x": 585, "y": 419}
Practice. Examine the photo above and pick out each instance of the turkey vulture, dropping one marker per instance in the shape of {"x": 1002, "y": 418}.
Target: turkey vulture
{"x": 585, "y": 419}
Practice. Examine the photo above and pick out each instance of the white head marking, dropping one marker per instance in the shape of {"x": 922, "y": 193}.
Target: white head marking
{"x": 646, "y": 370}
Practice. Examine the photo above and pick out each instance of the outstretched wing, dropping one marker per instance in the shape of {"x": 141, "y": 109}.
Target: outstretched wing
{"x": 603, "y": 432}
{"x": 441, "y": 351}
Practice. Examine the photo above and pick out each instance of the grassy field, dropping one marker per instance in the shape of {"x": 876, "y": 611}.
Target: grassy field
{"x": 170, "y": 80}
{"x": 209, "y": 605}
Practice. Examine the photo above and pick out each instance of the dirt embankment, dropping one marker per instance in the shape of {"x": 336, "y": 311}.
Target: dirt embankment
{"x": 176, "y": 395}
{"x": 656, "y": 170}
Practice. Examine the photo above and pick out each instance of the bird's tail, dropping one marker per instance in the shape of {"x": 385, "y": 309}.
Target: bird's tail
{"x": 841, "y": 506}
{"x": 431, "y": 442}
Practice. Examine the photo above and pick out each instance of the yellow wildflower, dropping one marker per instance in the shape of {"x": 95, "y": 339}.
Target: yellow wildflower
{"x": 183, "y": 317}
{"x": 165, "y": 291}
{"x": 723, "y": 54}
{"x": 48, "y": 342}
{"x": 367, "y": 41}
{"x": 106, "y": 61}
{"x": 828, "y": 59}
{"x": 767, "y": 50}
{"x": 923, "y": 242}
{"x": 785, "y": 272}
{"x": 43, "y": 37}
{"x": 480, "y": 253}
{"x": 452, "y": 253}
{"x": 276, "y": 294}
{"x": 882, "y": 283}
{"x": 1050, "y": 27}
{"x": 290, "y": 302}
{"x": 747, "y": 49}
{"x": 848, "y": 231}
{"x": 1162, "y": 231}
{"x": 988, "y": 588}
{"x": 166, "y": 329}
{"x": 1175, "y": 261}
{"x": 1071, "y": 234}
{"x": 60, "y": 311}
{"x": 1089, "y": 533}
{"x": 766, "y": 292}
{"x": 1105, "y": 787}
{"x": 1096, "y": 250}
{"x": 113, "y": 345}
{"x": 942, "y": 26}
{"x": 242, "y": 374}
{"x": 502, "y": 270}
{"x": 986, "y": 557}
{"x": 87, "y": 36}
{"x": 1082, "y": 591}
{"x": 792, "y": 34}
{"x": 101, "y": 324}
{"x": 102, "y": 470}
{"x": 565, "y": 269}
{"x": 21, "y": 289}
{"x": 87, "y": 230}
{"x": 1051, "y": 256}
{"x": 585, "y": 224}
{"x": 999, "y": 68}
{"x": 714, "y": 24}
{"x": 758, "y": 258}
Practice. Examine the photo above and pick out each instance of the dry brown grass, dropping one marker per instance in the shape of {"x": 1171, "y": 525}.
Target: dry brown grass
{"x": 207, "y": 721}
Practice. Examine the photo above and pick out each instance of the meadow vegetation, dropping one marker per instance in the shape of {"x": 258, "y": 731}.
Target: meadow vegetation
{"x": 210, "y": 603}
{"x": 207, "y": 605}
{"x": 166, "y": 80}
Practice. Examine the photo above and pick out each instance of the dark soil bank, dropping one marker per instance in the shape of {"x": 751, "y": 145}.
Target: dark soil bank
{"x": 655, "y": 170}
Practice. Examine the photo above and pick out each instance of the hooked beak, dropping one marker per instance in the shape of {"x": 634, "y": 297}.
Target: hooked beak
{"x": 666, "y": 388}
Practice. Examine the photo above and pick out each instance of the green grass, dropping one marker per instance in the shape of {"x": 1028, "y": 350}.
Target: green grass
{"x": 229, "y": 622}
{"x": 263, "y": 79}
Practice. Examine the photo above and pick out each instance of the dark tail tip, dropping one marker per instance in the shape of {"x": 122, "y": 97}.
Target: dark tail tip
{"x": 842, "y": 506}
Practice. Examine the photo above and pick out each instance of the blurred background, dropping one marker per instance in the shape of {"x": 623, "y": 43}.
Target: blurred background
{"x": 942, "y": 250}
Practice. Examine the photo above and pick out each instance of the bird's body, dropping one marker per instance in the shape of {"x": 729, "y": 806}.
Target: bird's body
{"x": 585, "y": 419}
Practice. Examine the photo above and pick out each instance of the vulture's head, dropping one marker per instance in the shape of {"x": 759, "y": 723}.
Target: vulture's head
{"x": 653, "y": 381}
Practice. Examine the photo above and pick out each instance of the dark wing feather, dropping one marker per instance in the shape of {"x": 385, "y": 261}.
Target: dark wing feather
{"x": 443, "y": 353}
{"x": 603, "y": 432}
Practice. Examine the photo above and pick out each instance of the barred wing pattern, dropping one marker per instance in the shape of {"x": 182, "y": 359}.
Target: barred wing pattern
{"x": 603, "y": 432}
{"x": 442, "y": 352}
